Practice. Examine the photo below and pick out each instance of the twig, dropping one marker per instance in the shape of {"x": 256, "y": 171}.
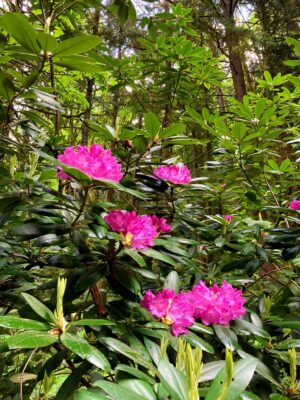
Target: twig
{"x": 83, "y": 203}
{"x": 23, "y": 370}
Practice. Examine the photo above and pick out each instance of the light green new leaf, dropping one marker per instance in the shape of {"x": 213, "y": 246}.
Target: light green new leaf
{"x": 172, "y": 281}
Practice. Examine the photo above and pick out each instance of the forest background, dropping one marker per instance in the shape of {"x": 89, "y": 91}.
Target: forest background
{"x": 212, "y": 84}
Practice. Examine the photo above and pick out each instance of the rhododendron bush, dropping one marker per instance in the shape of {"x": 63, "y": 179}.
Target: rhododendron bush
{"x": 157, "y": 258}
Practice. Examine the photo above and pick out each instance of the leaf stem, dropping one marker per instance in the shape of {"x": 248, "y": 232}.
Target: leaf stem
{"x": 83, "y": 203}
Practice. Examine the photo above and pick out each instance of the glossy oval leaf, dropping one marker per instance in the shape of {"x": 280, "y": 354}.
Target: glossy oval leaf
{"x": 141, "y": 388}
{"x": 18, "y": 26}
{"x": 39, "y": 308}
{"x": 22, "y": 323}
{"x": 196, "y": 341}
{"x": 227, "y": 336}
{"x": 126, "y": 370}
{"x": 152, "y": 124}
{"x": 82, "y": 348}
{"x": 90, "y": 394}
{"x": 117, "y": 392}
{"x": 173, "y": 379}
{"x": 92, "y": 322}
{"x": 31, "y": 340}
{"x": 76, "y": 45}
{"x": 210, "y": 370}
{"x": 117, "y": 346}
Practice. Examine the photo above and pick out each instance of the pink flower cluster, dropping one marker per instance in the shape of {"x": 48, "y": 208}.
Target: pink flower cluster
{"x": 177, "y": 174}
{"x": 295, "y": 205}
{"x": 228, "y": 218}
{"x": 212, "y": 305}
{"x": 95, "y": 162}
{"x": 217, "y": 305}
{"x": 173, "y": 309}
{"x": 137, "y": 231}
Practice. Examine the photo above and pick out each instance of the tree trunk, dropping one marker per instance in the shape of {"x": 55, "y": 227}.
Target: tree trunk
{"x": 89, "y": 98}
{"x": 232, "y": 43}
{"x": 90, "y": 85}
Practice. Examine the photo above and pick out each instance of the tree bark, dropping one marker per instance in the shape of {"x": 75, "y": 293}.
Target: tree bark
{"x": 232, "y": 43}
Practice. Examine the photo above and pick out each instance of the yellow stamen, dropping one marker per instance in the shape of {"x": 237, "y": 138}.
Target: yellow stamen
{"x": 127, "y": 239}
{"x": 167, "y": 319}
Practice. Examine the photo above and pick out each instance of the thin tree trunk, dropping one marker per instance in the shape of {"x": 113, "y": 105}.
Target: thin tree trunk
{"x": 220, "y": 100}
{"x": 232, "y": 43}
{"x": 87, "y": 115}
{"x": 90, "y": 85}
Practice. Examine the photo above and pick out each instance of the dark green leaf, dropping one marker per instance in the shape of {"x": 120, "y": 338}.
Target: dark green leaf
{"x": 172, "y": 130}
{"x": 196, "y": 341}
{"x": 242, "y": 326}
{"x": 210, "y": 370}
{"x": 7, "y": 89}
{"x": 90, "y": 394}
{"x": 119, "y": 347}
{"x": 152, "y": 124}
{"x": 159, "y": 256}
{"x": 40, "y": 308}
{"x": 174, "y": 380}
{"x": 227, "y": 336}
{"x": 31, "y": 340}
{"x": 72, "y": 381}
{"x": 117, "y": 392}
{"x": 141, "y": 388}
{"x": 126, "y": 370}
{"x": 92, "y": 322}
{"x": 22, "y": 323}
{"x": 82, "y": 348}
{"x": 20, "y": 29}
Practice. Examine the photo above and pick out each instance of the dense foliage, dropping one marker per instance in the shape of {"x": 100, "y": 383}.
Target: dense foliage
{"x": 149, "y": 227}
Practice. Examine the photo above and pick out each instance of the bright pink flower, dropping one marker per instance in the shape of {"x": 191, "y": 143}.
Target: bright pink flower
{"x": 177, "y": 174}
{"x": 295, "y": 205}
{"x": 160, "y": 224}
{"x": 216, "y": 305}
{"x": 228, "y": 218}
{"x": 173, "y": 309}
{"x": 136, "y": 231}
{"x": 95, "y": 162}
